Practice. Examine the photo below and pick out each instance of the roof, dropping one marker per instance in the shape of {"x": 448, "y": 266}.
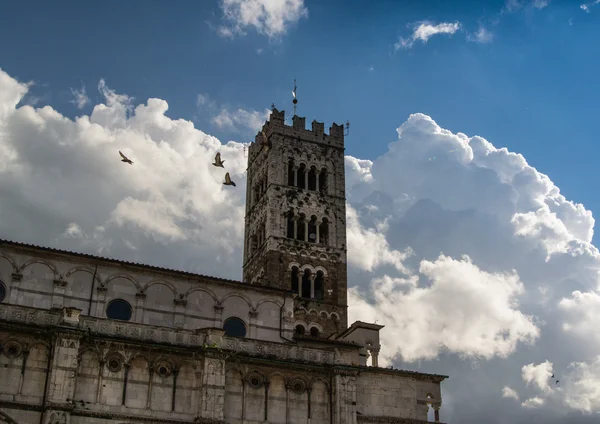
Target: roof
{"x": 360, "y": 324}
{"x": 179, "y": 273}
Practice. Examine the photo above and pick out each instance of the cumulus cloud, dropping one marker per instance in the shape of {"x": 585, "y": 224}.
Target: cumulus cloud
{"x": 538, "y": 375}
{"x": 424, "y": 31}
{"x": 240, "y": 120}
{"x": 475, "y": 262}
{"x": 507, "y": 392}
{"x": 271, "y": 18}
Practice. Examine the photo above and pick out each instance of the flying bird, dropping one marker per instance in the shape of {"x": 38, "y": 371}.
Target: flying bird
{"x": 218, "y": 162}
{"x": 228, "y": 180}
{"x": 125, "y": 158}
{"x": 557, "y": 381}
{"x": 552, "y": 376}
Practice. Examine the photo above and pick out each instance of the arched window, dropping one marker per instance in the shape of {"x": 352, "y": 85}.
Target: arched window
{"x": 306, "y": 284}
{"x": 312, "y": 178}
{"x": 290, "y": 224}
{"x": 323, "y": 181}
{"x": 253, "y": 244}
{"x": 314, "y": 332}
{"x": 234, "y": 327}
{"x": 300, "y": 330}
{"x": 324, "y": 231}
{"x": 294, "y": 279}
{"x": 2, "y": 292}
{"x": 302, "y": 176}
{"x": 301, "y": 228}
{"x": 312, "y": 229}
{"x": 119, "y": 309}
{"x": 291, "y": 172}
{"x": 319, "y": 285}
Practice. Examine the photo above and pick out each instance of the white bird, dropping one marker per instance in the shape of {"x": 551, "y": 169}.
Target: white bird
{"x": 218, "y": 162}
{"x": 228, "y": 180}
{"x": 125, "y": 158}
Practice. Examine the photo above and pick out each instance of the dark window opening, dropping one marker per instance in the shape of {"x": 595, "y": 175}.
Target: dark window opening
{"x": 319, "y": 285}
{"x": 314, "y": 332}
{"x": 290, "y": 225}
{"x": 300, "y": 330}
{"x": 312, "y": 178}
{"x": 312, "y": 229}
{"x": 2, "y": 292}
{"x": 295, "y": 279}
{"x": 291, "y": 172}
{"x": 323, "y": 181}
{"x": 302, "y": 176}
{"x": 306, "y": 284}
{"x": 301, "y": 230}
{"x": 119, "y": 309}
{"x": 253, "y": 244}
{"x": 324, "y": 232}
{"x": 234, "y": 327}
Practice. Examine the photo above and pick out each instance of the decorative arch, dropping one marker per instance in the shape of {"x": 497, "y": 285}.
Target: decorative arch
{"x": 275, "y": 374}
{"x": 202, "y": 289}
{"x": 139, "y": 356}
{"x": 322, "y": 269}
{"x": 81, "y": 269}
{"x": 275, "y": 302}
{"x": 334, "y": 316}
{"x": 241, "y": 296}
{"x": 313, "y": 312}
{"x": 292, "y": 265}
{"x": 41, "y": 343}
{"x": 10, "y": 260}
{"x": 6, "y": 418}
{"x": 309, "y": 267}
{"x": 42, "y": 262}
{"x": 316, "y": 325}
{"x": 125, "y": 277}
{"x": 112, "y": 353}
{"x": 157, "y": 361}
{"x": 164, "y": 283}
{"x": 87, "y": 349}
{"x": 319, "y": 380}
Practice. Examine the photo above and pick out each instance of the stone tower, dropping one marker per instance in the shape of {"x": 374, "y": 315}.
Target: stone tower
{"x": 295, "y": 224}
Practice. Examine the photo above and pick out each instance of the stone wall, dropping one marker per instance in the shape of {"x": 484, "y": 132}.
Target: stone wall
{"x": 163, "y": 299}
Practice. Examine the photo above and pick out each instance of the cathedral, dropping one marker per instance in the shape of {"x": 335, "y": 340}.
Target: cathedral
{"x": 92, "y": 340}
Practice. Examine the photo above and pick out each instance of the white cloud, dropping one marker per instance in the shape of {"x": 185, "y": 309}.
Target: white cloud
{"x": 540, "y": 4}
{"x": 476, "y": 311}
{"x": 80, "y": 97}
{"x": 538, "y": 375}
{"x": 534, "y": 402}
{"x": 482, "y": 36}
{"x": 582, "y": 386}
{"x": 368, "y": 248}
{"x": 268, "y": 17}
{"x": 586, "y": 6}
{"x": 507, "y": 392}
{"x": 241, "y": 120}
{"x": 424, "y": 31}
{"x": 582, "y": 315}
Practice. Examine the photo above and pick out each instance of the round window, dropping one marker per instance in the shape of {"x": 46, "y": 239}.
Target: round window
{"x": 255, "y": 381}
{"x": 234, "y": 327}
{"x": 2, "y": 292}
{"x": 164, "y": 370}
{"x": 12, "y": 349}
{"x": 119, "y": 309}
{"x": 298, "y": 386}
{"x": 114, "y": 364}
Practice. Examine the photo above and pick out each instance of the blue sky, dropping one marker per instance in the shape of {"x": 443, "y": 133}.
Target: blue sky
{"x": 476, "y": 235}
{"x": 533, "y": 88}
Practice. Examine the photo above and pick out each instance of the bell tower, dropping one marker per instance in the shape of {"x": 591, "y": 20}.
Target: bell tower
{"x": 295, "y": 224}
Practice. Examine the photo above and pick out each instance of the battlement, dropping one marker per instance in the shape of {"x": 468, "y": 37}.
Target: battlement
{"x": 276, "y": 126}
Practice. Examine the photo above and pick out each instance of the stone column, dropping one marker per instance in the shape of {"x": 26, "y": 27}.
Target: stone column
{"x": 58, "y": 294}
{"x": 100, "y": 301}
{"x": 344, "y": 396}
{"x": 16, "y": 277}
{"x": 375, "y": 356}
{"x": 252, "y": 323}
{"x": 213, "y": 386}
{"x": 218, "y": 316}
{"x": 63, "y": 369}
{"x": 140, "y": 299}
{"x": 179, "y": 317}
{"x": 436, "y": 412}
